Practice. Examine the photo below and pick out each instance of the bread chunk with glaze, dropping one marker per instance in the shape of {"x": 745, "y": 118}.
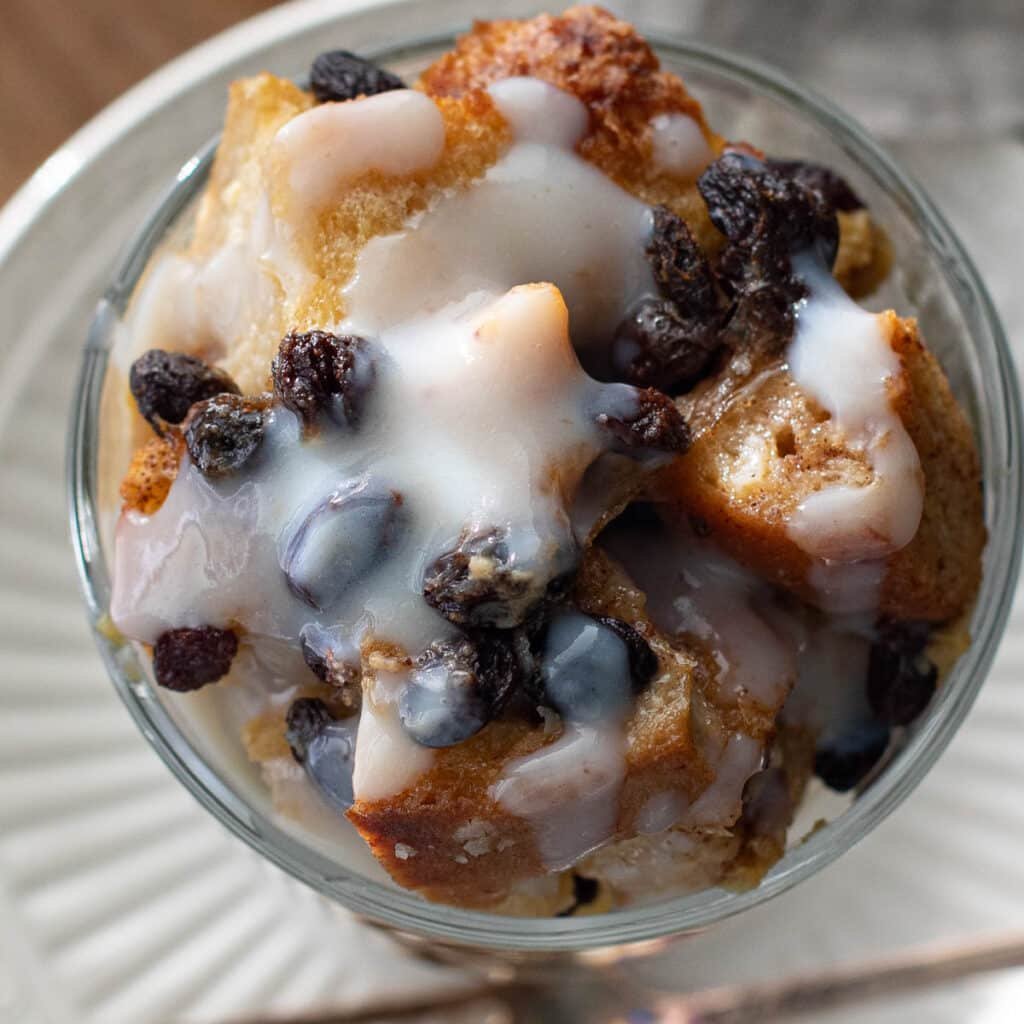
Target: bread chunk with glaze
{"x": 448, "y": 838}
{"x": 762, "y": 445}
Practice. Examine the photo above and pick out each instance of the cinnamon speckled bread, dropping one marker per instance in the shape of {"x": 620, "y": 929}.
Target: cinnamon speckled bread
{"x": 704, "y": 777}
{"x": 762, "y": 445}
{"x": 449, "y": 817}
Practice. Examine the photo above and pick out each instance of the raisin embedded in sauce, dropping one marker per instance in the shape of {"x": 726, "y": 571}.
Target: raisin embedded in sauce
{"x": 680, "y": 266}
{"x": 326, "y": 747}
{"x": 643, "y": 662}
{"x": 223, "y": 433}
{"x": 656, "y": 346}
{"x": 655, "y": 425}
{"x": 306, "y": 719}
{"x": 481, "y": 582}
{"x": 342, "y": 540}
{"x": 901, "y": 677}
{"x": 846, "y": 761}
{"x": 768, "y": 218}
{"x": 831, "y": 186}
{"x": 457, "y": 686}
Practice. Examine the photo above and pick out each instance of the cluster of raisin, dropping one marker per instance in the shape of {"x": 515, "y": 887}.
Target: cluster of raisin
{"x": 315, "y": 374}
{"x": 769, "y": 212}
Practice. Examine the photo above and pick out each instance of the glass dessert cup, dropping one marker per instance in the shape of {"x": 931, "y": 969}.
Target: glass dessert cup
{"x": 933, "y": 279}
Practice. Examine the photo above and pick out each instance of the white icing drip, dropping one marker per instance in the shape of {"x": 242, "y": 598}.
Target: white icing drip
{"x": 845, "y": 587}
{"x": 678, "y": 145}
{"x": 660, "y": 812}
{"x": 568, "y": 791}
{"x": 692, "y": 587}
{"x": 539, "y": 112}
{"x": 204, "y": 305}
{"x": 387, "y": 761}
{"x": 185, "y": 305}
{"x": 397, "y": 133}
{"x": 541, "y": 213}
{"x": 721, "y": 802}
{"x": 842, "y": 357}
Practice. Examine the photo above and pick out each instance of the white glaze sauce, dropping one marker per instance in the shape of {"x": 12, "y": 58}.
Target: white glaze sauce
{"x": 481, "y": 418}
{"x": 541, "y": 213}
{"x": 678, "y": 145}
{"x": 568, "y": 791}
{"x": 842, "y": 356}
{"x": 397, "y": 133}
{"x": 692, "y": 587}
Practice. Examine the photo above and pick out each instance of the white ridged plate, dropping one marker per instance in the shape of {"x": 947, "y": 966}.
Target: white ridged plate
{"x": 122, "y": 901}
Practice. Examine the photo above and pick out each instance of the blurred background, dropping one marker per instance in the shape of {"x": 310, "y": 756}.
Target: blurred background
{"x": 937, "y": 68}
{"x": 62, "y": 61}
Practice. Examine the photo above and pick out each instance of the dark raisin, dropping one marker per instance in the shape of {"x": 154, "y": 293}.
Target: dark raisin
{"x": 315, "y": 659}
{"x": 186, "y": 659}
{"x": 766, "y": 216}
{"x": 333, "y": 661}
{"x": 325, "y": 747}
{"x": 223, "y": 433}
{"x": 826, "y": 182}
{"x": 763, "y": 316}
{"x": 483, "y": 582}
{"x": 341, "y": 540}
{"x": 643, "y": 662}
{"x": 585, "y": 668}
{"x": 457, "y": 686}
{"x": 584, "y": 892}
{"x": 655, "y": 424}
{"x": 901, "y": 677}
{"x": 306, "y": 719}
{"x": 847, "y": 760}
{"x": 680, "y": 266}
{"x": 656, "y": 346}
{"x": 767, "y": 805}
{"x": 340, "y": 75}
{"x": 321, "y": 372}
{"x": 165, "y": 385}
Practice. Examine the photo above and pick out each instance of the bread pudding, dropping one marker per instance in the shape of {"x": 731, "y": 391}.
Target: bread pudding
{"x": 519, "y": 480}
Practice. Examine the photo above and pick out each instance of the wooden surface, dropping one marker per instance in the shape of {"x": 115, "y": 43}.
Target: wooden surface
{"x": 61, "y": 61}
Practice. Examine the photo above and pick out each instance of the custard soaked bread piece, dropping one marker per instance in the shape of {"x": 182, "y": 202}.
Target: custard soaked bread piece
{"x": 266, "y": 259}
{"x": 762, "y": 445}
{"x": 829, "y": 453}
{"x": 272, "y": 250}
{"x": 450, "y": 837}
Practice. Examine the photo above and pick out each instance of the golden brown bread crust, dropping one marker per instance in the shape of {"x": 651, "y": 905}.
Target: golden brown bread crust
{"x": 610, "y": 67}
{"x": 468, "y": 849}
{"x": 762, "y": 445}
{"x": 152, "y": 471}
{"x": 607, "y": 65}
{"x": 938, "y": 573}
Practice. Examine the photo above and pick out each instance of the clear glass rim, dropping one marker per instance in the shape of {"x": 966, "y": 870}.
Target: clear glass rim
{"x": 1000, "y": 441}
